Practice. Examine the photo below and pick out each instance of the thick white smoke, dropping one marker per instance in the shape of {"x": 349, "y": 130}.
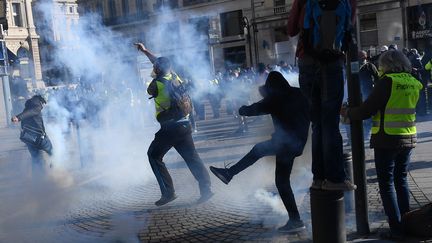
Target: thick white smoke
{"x": 101, "y": 127}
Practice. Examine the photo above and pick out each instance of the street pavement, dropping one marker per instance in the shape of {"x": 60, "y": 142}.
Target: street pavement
{"x": 77, "y": 205}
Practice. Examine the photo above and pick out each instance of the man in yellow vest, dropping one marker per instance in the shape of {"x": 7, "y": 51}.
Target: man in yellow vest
{"x": 392, "y": 104}
{"x": 175, "y": 132}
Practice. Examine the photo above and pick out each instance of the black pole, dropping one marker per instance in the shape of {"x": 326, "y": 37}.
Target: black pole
{"x": 254, "y": 30}
{"x": 248, "y": 36}
{"x": 250, "y": 46}
{"x": 357, "y": 142}
{"x": 328, "y": 216}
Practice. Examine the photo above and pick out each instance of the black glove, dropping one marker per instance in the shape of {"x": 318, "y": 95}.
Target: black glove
{"x": 242, "y": 111}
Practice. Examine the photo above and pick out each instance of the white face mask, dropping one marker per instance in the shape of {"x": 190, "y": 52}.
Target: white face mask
{"x": 153, "y": 74}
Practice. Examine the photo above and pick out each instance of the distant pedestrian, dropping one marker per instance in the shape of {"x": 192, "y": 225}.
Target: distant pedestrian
{"x": 175, "y": 130}
{"x": 289, "y": 111}
{"x": 417, "y": 71}
{"x": 368, "y": 75}
{"x": 392, "y": 105}
{"x": 33, "y": 133}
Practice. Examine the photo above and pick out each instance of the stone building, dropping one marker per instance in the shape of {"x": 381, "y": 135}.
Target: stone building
{"x": 21, "y": 39}
{"x": 227, "y": 27}
{"x": 54, "y": 21}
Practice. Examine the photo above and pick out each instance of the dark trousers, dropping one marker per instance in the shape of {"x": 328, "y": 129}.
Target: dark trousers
{"x": 284, "y": 163}
{"x": 179, "y": 136}
{"x": 323, "y": 85}
{"x": 37, "y": 155}
{"x": 392, "y": 170}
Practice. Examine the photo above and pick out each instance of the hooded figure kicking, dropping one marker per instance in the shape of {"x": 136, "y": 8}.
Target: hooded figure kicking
{"x": 290, "y": 113}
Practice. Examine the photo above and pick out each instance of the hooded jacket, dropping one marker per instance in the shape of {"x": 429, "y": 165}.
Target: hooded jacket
{"x": 32, "y": 114}
{"x": 288, "y": 108}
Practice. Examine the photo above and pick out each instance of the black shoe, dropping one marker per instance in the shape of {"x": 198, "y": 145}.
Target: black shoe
{"x": 222, "y": 174}
{"x": 292, "y": 226}
{"x": 205, "y": 196}
{"x": 165, "y": 199}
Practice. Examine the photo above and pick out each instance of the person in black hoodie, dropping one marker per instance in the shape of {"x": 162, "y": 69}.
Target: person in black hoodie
{"x": 31, "y": 120}
{"x": 290, "y": 114}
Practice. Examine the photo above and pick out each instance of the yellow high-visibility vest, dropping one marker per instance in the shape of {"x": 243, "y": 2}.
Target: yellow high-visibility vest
{"x": 399, "y": 113}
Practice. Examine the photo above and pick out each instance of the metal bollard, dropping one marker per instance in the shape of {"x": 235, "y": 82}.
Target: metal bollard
{"x": 349, "y": 195}
{"x": 328, "y": 216}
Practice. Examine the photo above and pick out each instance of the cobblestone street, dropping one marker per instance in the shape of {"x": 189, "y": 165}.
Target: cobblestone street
{"x": 248, "y": 209}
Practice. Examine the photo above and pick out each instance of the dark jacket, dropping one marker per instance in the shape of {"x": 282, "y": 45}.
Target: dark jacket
{"x": 32, "y": 114}
{"x": 376, "y": 102}
{"x": 288, "y": 108}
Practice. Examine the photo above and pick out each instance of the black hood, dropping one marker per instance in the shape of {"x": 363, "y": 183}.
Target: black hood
{"x": 276, "y": 84}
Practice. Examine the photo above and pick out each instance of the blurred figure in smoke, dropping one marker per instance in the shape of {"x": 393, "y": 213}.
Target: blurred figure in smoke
{"x": 289, "y": 111}
{"x": 215, "y": 94}
{"x": 175, "y": 132}
{"x": 33, "y": 132}
{"x": 417, "y": 70}
{"x": 368, "y": 75}
{"x": 285, "y": 67}
{"x": 262, "y": 73}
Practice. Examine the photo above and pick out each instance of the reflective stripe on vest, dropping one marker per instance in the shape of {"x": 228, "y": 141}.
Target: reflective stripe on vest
{"x": 399, "y": 113}
{"x": 162, "y": 100}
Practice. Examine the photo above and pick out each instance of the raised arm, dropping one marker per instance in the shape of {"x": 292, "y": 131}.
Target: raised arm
{"x": 141, "y": 47}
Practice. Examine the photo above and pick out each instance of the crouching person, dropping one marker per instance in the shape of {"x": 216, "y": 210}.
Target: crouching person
{"x": 290, "y": 114}
{"x": 33, "y": 132}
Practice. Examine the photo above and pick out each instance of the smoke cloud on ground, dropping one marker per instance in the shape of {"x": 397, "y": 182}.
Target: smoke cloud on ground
{"x": 101, "y": 127}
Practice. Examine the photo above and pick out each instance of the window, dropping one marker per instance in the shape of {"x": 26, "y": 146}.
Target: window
{"x": 281, "y": 34}
{"x": 201, "y": 26}
{"x": 235, "y": 56}
{"x": 194, "y": 2}
{"x": 165, "y": 4}
{"x": 125, "y": 7}
{"x": 71, "y": 9}
{"x": 231, "y": 23}
{"x": 111, "y": 8}
{"x": 278, "y": 3}
{"x": 99, "y": 8}
{"x": 16, "y": 14}
{"x": 139, "y": 6}
{"x": 368, "y": 30}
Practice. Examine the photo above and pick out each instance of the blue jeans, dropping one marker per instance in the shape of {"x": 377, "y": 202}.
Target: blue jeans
{"x": 392, "y": 169}
{"x": 323, "y": 85}
{"x": 37, "y": 155}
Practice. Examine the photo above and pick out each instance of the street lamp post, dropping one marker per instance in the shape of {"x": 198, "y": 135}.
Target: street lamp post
{"x": 246, "y": 32}
{"x": 254, "y": 30}
{"x": 4, "y": 76}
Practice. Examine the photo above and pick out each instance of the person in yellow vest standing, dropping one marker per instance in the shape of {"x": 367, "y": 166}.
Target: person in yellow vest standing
{"x": 175, "y": 130}
{"x": 392, "y": 104}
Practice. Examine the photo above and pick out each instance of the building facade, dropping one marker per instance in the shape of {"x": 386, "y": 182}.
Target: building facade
{"x": 54, "y": 22}
{"x": 21, "y": 39}
{"x": 235, "y": 33}
{"x": 405, "y": 23}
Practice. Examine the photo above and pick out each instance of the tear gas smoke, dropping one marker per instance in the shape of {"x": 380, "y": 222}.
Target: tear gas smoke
{"x": 105, "y": 122}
